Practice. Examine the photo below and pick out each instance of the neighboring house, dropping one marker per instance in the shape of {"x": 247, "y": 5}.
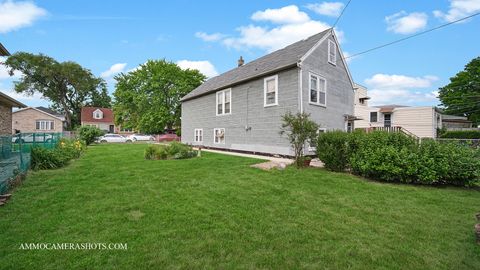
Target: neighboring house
{"x": 6, "y": 105}
{"x": 456, "y": 122}
{"x": 3, "y": 51}
{"x": 101, "y": 118}
{"x": 242, "y": 109}
{"x": 422, "y": 122}
{"x": 37, "y": 119}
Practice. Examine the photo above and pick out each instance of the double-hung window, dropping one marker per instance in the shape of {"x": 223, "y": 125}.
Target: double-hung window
{"x": 332, "y": 52}
{"x": 44, "y": 125}
{"x": 198, "y": 135}
{"x": 270, "y": 91}
{"x": 318, "y": 90}
{"x": 219, "y": 136}
{"x": 373, "y": 117}
{"x": 224, "y": 102}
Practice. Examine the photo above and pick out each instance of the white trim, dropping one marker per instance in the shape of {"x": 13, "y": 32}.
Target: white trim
{"x": 223, "y": 104}
{"x": 315, "y": 47}
{"x": 99, "y": 112}
{"x": 342, "y": 57}
{"x": 370, "y": 116}
{"x": 275, "y": 77}
{"x": 334, "y": 60}
{"x": 200, "y": 130}
{"x": 318, "y": 89}
{"x": 51, "y": 115}
{"x": 47, "y": 124}
{"x": 215, "y": 134}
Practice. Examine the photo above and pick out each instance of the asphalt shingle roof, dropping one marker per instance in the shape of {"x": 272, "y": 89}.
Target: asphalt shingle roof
{"x": 277, "y": 60}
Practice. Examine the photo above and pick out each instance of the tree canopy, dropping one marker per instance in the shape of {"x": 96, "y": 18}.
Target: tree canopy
{"x": 148, "y": 98}
{"x": 67, "y": 85}
{"x": 462, "y": 95}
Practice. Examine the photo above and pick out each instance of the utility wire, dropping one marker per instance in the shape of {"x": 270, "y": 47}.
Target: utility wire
{"x": 339, "y": 16}
{"x": 412, "y": 36}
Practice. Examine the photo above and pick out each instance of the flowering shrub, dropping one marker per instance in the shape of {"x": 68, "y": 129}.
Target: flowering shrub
{"x": 64, "y": 151}
{"x": 175, "y": 150}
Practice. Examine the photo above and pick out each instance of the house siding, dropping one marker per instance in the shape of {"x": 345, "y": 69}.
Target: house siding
{"x": 5, "y": 119}
{"x": 247, "y": 110}
{"x": 25, "y": 121}
{"x": 340, "y": 93}
{"x": 420, "y": 121}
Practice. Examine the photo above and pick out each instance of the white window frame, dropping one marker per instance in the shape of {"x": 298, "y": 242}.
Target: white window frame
{"x": 311, "y": 74}
{"x": 332, "y": 44}
{"x": 274, "y": 77}
{"x": 200, "y": 135}
{"x": 97, "y": 114}
{"x": 45, "y": 125}
{"x": 222, "y": 92}
{"x": 370, "y": 117}
{"x": 215, "y": 134}
{"x": 314, "y": 148}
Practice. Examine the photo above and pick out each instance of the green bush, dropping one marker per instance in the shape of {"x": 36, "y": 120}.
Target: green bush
{"x": 89, "y": 134}
{"x": 461, "y": 134}
{"x": 175, "y": 150}
{"x": 395, "y": 157}
{"x": 64, "y": 151}
{"x": 333, "y": 150}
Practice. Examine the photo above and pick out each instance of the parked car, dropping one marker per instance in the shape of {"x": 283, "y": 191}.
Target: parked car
{"x": 30, "y": 138}
{"x": 140, "y": 137}
{"x": 168, "y": 137}
{"x": 113, "y": 138}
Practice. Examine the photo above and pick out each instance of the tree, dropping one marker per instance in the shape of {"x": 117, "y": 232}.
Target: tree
{"x": 299, "y": 130}
{"x": 462, "y": 95}
{"x": 67, "y": 85}
{"x": 148, "y": 98}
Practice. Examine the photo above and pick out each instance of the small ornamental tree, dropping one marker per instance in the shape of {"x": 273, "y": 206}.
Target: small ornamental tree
{"x": 88, "y": 134}
{"x": 299, "y": 130}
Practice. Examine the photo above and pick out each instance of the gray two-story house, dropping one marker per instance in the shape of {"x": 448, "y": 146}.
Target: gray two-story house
{"x": 242, "y": 109}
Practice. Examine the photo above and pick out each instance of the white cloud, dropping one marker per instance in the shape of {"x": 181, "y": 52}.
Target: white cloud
{"x": 332, "y": 9}
{"x": 388, "y": 89}
{"x": 204, "y": 67}
{"x": 113, "y": 70}
{"x": 15, "y": 15}
{"x": 285, "y": 15}
{"x": 4, "y": 71}
{"x": 209, "y": 37}
{"x": 458, "y": 9}
{"x": 404, "y": 23}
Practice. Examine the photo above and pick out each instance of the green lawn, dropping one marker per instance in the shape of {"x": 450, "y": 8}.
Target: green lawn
{"x": 217, "y": 212}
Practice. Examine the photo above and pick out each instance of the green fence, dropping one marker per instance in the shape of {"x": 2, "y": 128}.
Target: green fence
{"x": 15, "y": 153}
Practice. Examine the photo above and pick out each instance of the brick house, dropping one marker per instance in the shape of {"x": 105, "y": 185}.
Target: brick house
{"x": 6, "y": 105}
{"x": 37, "y": 119}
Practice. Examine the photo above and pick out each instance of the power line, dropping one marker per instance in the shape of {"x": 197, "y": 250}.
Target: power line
{"x": 339, "y": 16}
{"x": 412, "y": 36}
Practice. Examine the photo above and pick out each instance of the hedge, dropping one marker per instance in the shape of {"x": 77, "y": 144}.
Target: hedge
{"x": 394, "y": 157}
{"x": 461, "y": 134}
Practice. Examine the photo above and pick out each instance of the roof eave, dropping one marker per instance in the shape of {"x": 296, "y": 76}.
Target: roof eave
{"x": 3, "y": 51}
{"x": 11, "y": 101}
{"x": 290, "y": 66}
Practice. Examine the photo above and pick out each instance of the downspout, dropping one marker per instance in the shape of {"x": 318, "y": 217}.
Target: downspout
{"x": 300, "y": 86}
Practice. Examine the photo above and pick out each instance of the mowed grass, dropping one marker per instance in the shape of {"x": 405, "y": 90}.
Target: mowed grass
{"x": 215, "y": 212}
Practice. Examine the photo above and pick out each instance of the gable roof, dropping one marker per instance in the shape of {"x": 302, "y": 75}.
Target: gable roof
{"x": 3, "y": 51}
{"x": 87, "y": 115}
{"x": 10, "y": 101}
{"x": 285, "y": 58}
{"x": 48, "y": 112}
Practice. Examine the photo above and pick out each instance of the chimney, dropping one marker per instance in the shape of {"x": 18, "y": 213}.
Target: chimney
{"x": 240, "y": 61}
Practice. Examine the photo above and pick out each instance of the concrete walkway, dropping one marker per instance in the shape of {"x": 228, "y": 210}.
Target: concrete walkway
{"x": 273, "y": 162}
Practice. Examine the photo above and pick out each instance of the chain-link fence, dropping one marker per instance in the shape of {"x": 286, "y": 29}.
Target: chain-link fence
{"x": 15, "y": 153}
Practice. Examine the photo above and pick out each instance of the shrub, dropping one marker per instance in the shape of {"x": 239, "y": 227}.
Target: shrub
{"x": 395, "y": 157}
{"x": 65, "y": 150}
{"x": 333, "y": 150}
{"x": 461, "y": 134}
{"x": 89, "y": 134}
{"x": 299, "y": 130}
{"x": 175, "y": 150}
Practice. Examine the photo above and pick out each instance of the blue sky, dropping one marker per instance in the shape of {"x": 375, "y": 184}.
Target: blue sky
{"x": 114, "y": 36}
